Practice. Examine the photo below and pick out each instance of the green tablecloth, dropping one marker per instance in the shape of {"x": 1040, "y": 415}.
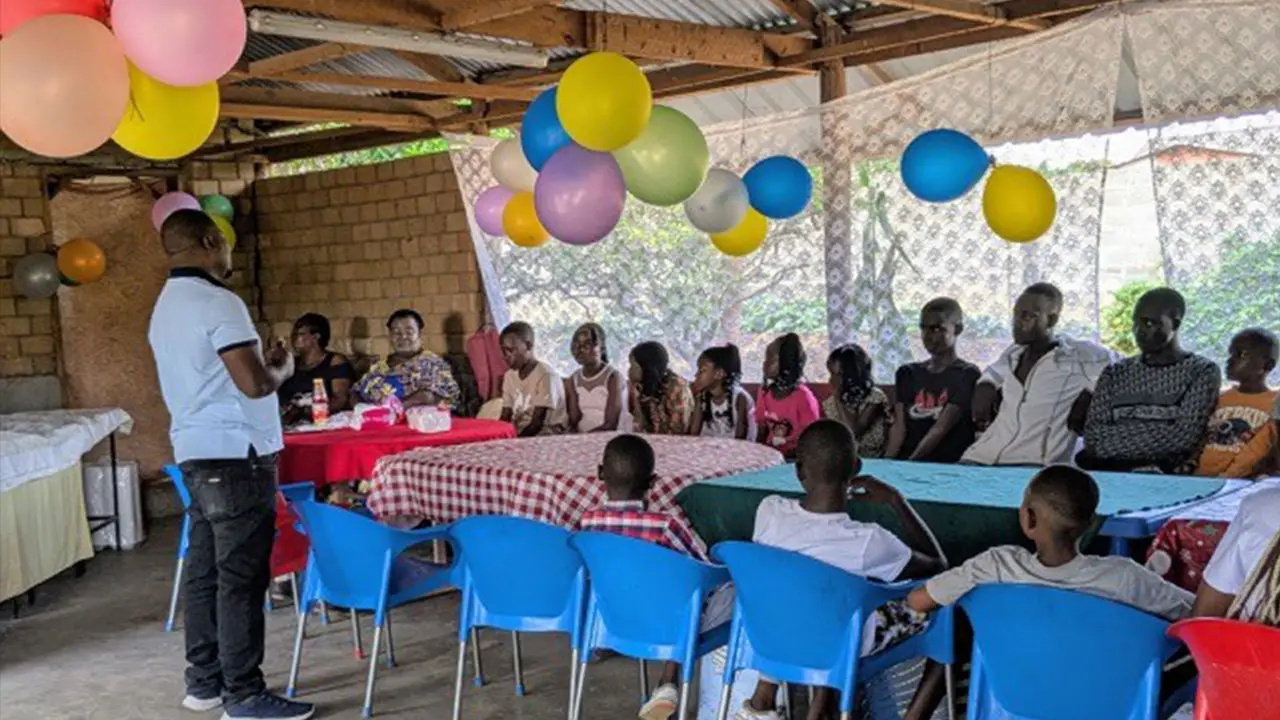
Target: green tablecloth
{"x": 970, "y": 508}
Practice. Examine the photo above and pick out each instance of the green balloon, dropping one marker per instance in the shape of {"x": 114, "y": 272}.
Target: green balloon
{"x": 218, "y": 205}
{"x": 668, "y": 162}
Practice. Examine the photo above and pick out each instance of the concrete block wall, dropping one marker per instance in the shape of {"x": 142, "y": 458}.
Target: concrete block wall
{"x": 355, "y": 244}
{"x": 28, "y": 333}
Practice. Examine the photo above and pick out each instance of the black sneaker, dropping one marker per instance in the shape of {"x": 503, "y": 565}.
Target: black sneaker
{"x": 266, "y": 706}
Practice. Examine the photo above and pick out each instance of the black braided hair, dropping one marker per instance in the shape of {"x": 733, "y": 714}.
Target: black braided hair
{"x": 727, "y": 359}
{"x": 855, "y": 373}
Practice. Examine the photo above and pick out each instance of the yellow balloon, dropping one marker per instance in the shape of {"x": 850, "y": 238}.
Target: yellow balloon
{"x": 1019, "y": 203}
{"x": 744, "y": 239}
{"x": 164, "y": 122}
{"x": 520, "y": 222}
{"x": 224, "y": 225}
{"x": 604, "y": 101}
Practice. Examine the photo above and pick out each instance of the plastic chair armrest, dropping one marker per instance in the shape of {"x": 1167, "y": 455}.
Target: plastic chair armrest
{"x": 295, "y": 492}
{"x": 404, "y": 539}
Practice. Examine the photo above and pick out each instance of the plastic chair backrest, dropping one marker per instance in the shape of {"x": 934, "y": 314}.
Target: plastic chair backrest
{"x": 1052, "y": 654}
{"x": 518, "y": 574}
{"x": 801, "y": 618}
{"x": 648, "y": 598}
{"x": 1239, "y": 666}
{"x": 352, "y": 553}
{"x": 175, "y": 474}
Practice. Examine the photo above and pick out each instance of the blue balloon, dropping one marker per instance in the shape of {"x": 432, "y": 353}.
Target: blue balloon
{"x": 541, "y": 133}
{"x": 942, "y": 165}
{"x": 779, "y": 187}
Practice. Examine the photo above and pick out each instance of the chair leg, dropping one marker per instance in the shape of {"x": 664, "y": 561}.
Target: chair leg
{"x": 475, "y": 657}
{"x": 293, "y": 588}
{"x": 267, "y": 604}
{"x": 457, "y": 681}
{"x": 573, "y": 682}
{"x": 722, "y": 712}
{"x": 846, "y": 716}
{"x": 174, "y": 594}
{"x": 324, "y": 613}
{"x": 373, "y": 673}
{"x": 391, "y": 647}
{"x": 582, "y": 682}
{"x": 355, "y": 636}
{"x": 950, "y": 678}
{"x": 684, "y": 701}
{"x": 292, "y": 688}
{"x": 644, "y": 682}
{"x": 785, "y": 689}
{"x": 515, "y": 650}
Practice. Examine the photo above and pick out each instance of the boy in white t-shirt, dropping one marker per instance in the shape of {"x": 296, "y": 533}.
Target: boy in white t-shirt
{"x": 1242, "y": 580}
{"x": 1058, "y": 506}
{"x": 532, "y": 393}
{"x": 818, "y": 525}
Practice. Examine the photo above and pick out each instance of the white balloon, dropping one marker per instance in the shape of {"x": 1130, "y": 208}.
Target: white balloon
{"x": 510, "y": 167}
{"x": 719, "y": 204}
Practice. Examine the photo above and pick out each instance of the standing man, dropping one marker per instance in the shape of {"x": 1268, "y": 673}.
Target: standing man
{"x": 1044, "y": 382}
{"x": 220, "y": 389}
{"x": 1150, "y": 412}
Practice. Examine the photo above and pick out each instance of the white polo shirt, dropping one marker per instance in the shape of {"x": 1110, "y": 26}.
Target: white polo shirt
{"x": 1242, "y": 547}
{"x": 1031, "y": 427}
{"x": 196, "y": 318}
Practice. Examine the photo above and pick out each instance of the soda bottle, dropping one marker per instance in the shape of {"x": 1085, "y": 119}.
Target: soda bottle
{"x": 319, "y": 402}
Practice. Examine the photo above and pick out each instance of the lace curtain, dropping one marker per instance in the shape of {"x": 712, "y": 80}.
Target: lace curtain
{"x": 860, "y": 261}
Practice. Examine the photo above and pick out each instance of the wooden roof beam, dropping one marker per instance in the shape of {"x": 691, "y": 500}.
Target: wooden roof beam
{"x": 477, "y": 13}
{"x": 424, "y": 87}
{"x": 969, "y": 10}
{"x": 303, "y": 58}
{"x": 288, "y": 113}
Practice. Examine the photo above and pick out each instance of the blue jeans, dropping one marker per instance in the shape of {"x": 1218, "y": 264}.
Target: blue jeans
{"x": 228, "y": 570}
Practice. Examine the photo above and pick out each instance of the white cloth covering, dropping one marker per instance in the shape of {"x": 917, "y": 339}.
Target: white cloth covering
{"x": 37, "y": 444}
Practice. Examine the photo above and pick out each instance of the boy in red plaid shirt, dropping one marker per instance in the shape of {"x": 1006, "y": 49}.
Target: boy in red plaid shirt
{"x": 627, "y": 473}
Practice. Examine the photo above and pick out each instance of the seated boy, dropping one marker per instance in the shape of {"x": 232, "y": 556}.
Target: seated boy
{"x": 532, "y": 393}
{"x": 1242, "y": 435}
{"x": 933, "y": 414}
{"x": 818, "y": 525}
{"x": 1057, "y": 508}
{"x": 627, "y": 473}
{"x": 1242, "y": 580}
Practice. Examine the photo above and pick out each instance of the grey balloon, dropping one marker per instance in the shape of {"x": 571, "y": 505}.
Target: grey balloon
{"x": 36, "y": 276}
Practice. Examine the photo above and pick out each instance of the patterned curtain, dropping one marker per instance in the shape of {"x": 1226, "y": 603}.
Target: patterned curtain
{"x": 862, "y": 259}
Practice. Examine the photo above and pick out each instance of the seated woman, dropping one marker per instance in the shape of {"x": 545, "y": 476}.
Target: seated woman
{"x": 595, "y": 395}
{"x": 314, "y": 362}
{"x": 661, "y": 403}
{"x": 414, "y": 375}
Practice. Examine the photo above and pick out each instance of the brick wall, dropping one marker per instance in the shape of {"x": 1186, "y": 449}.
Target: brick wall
{"x": 27, "y": 330}
{"x": 356, "y": 244}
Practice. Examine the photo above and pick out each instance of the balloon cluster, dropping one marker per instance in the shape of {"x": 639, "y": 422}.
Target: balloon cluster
{"x": 75, "y": 73}
{"x": 597, "y": 136}
{"x": 75, "y": 262}
{"x": 218, "y": 207}
{"x": 942, "y": 165}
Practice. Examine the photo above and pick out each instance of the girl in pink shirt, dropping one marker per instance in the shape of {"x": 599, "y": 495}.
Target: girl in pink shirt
{"x": 784, "y": 407}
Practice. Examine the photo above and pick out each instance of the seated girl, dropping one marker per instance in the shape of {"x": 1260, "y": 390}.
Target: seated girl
{"x": 414, "y": 375}
{"x": 595, "y": 394}
{"x": 722, "y": 408}
{"x": 314, "y": 362}
{"x": 661, "y": 403}
{"x": 784, "y": 406}
{"x": 855, "y": 401}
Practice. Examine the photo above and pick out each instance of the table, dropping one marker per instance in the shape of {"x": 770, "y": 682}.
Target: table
{"x": 334, "y": 456}
{"x": 969, "y": 507}
{"x": 552, "y": 478}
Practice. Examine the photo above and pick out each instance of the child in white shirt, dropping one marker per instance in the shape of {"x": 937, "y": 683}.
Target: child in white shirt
{"x": 818, "y": 525}
{"x": 1242, "y": 580}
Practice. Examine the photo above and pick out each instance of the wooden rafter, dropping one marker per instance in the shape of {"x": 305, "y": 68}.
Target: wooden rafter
{"x": 802, "y": 11}
{"x": 433, "y": 65}
{"x": 476, "y": 13}
{"x": 290, "y": 113}
{"x": 424, "y": 87}
{"x": 969, "y": 10}
{"x": 303, "y": 58}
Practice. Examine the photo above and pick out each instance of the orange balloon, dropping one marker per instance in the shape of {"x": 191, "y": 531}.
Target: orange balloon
{"x": 64, "y": 85}
{"x": 81, "y": 261}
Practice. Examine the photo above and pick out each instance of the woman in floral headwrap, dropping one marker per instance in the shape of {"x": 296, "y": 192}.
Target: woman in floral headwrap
{"x": 410, "y": 373}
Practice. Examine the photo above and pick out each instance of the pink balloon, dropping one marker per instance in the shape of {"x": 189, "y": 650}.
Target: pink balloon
{"x": 64, "y": 85}
{"x": 169, "y": 203}
{"x": 181, "y": 42}
{"x": 489, "y": 207}
{"x": 15, "y": 12}
{"x": 579, "y": 195}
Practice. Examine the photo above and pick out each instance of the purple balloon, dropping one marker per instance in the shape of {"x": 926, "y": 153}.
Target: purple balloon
{"x": 579, "y": 195}
{"x": 170, "y": 203}
{"x": 489, "y": 207}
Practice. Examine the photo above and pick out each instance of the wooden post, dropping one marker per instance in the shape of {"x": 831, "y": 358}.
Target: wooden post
{"x": 837, "y": 193}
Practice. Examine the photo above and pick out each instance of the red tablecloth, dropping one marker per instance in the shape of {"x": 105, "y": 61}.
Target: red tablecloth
{"x": 346, "y": 455}
{"x": 552, "y": 479}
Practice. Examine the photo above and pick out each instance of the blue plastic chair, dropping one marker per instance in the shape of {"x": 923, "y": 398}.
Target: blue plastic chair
{"x": 292, "y": 493}
{"x": 645, "y": 602}
{"x": 544, "y": 591}
{"x": 799, "y": 620}
{"x": 1047, "y": 654}
{"x": 357, "y": 563}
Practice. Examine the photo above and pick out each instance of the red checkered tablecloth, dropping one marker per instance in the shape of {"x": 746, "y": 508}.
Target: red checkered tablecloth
{"x": 552, "y": 479}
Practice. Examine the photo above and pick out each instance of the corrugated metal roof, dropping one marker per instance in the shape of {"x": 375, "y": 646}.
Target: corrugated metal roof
{"x": 759, "y": 14}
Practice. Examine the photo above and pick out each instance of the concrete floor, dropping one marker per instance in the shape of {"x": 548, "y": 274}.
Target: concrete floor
{"x": 93, "y": 649}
